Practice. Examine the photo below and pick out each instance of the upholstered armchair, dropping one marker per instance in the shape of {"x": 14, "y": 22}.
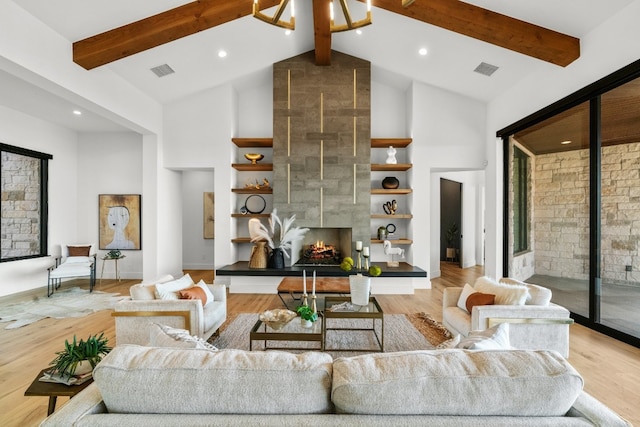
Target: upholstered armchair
{"x": 535, "y": 323}
{"x": 135, "y": 316}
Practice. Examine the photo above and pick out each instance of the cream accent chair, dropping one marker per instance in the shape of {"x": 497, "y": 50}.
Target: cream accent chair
{"x": 72, "y": 266}
{"x": 135, "y": 316}
{"x": 531, "y": 326}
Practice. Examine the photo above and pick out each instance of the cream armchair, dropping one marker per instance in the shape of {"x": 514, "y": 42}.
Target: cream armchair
{"x": 134, "y": 317}
{"x": 531, "y": 327}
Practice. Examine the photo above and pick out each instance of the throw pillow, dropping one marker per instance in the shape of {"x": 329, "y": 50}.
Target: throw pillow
{"x": 78, "y": 250}
{"x": 194, "y": 292}
{"x": 538, "y": 295}
{"x": 505, "y": 294}
{"x": 142, "y": 292}
{"x": 204, "y": 287}
{"x": 478, "y": 298}
{"x": 166, "y": 336}
{"x": 466, "y": 291}
{"x": 495, "y": 338}
{"x": 169, "y": 290}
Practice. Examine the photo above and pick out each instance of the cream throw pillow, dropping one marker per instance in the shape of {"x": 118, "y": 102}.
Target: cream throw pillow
{"x": 466, "y": 291}
{"x": 505, "y": 294}
{"x": 166, "y": 336}
{"x": 169, "y": 290}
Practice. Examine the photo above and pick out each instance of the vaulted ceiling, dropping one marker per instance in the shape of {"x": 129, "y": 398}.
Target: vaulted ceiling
{"x": 129, "y": 38}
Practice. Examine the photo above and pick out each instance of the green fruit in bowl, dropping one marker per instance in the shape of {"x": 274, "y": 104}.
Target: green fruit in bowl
{"x": 346, "y": 266}
{"x": 374, "y": 271}
{"x": 348, "y": 260}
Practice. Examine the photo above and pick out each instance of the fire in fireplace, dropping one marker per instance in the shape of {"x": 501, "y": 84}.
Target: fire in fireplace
{"x": 325, "y": 246}
{"x": 319, "y": 253}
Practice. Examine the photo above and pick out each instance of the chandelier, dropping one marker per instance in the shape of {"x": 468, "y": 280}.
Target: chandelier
{"x": 291, "y": 24}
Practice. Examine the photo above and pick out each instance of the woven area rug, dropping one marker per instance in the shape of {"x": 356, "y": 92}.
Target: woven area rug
{"x": 401, "y": 332}
{"x": 73, "y": 302}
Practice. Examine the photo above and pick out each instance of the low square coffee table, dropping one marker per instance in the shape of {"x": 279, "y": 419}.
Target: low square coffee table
{"x": 292, "y": 331}
{"x": 371, "y": 311}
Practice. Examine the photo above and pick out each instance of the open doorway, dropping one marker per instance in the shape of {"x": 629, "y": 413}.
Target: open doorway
{"x": 450, "y": 221}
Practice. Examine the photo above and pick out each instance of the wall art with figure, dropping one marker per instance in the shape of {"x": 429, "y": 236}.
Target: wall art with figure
{"x": 120, "y": 221}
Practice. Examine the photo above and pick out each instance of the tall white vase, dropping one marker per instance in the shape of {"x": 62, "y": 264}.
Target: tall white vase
{"x": 360, "y": 287}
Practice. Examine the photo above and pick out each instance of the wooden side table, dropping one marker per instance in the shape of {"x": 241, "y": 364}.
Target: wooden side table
{"x": 53, "y": 390}
{"x": 108, "y": 258}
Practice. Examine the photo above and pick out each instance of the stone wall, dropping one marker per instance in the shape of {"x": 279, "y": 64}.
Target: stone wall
{"x": 322, "y": 142}
{"x": 561, "y": 214}
{"x": 20, "y": 205}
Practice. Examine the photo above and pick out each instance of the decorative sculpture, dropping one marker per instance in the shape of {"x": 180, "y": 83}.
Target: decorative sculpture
{"x": 391, "y": 156}
{"x": 389, "y": 250}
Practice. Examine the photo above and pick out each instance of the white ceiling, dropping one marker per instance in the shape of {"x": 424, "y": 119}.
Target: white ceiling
{"x": 391, "y": 44}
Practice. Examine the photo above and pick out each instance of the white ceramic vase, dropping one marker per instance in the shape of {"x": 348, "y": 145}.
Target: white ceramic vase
{"x": 360, "y": 288}
{"x": 84, "y": 367}
{"x": 306, "y": 323}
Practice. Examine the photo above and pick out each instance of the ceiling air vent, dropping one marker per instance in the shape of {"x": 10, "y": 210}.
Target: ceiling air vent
{"x": 485, "y": 69}
{"x": 162, "y": 70}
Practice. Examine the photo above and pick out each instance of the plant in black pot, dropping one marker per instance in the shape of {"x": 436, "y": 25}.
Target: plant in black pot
{"x": 280, "y": 236}
{"x": 451, "y": 235}
{"x": 79, "y": 357}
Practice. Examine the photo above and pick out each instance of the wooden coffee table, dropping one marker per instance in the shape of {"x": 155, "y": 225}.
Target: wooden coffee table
{"x": 292, "y": 331}
{"x": 53, "y": 390}
{"x": 371, "y": 311}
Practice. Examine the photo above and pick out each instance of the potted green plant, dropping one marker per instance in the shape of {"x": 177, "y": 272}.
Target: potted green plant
{"x": 451, "y": 234}
{"x": 307, "y": 316}
{"x": 80, "y": 356}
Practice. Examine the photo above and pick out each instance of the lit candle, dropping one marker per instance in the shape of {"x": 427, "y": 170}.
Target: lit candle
{"x": 313, "y": 289}
{"x": 359, "y": 245}
{"x": 365, "y": 251}
{"x": 304, "y": 281}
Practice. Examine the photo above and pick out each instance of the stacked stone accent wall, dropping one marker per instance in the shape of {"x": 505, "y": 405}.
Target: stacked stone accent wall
{"x": 322, "y": 174}
{"x": 561, "y": 214}
{"x": 20, "y": 205}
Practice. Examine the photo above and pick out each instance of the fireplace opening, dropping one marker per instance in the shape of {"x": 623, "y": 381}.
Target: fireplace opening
{"x": 325, "y": 246}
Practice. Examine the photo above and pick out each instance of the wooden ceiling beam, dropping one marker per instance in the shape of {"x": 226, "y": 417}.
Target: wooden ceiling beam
{"x": 491, "y": 27}
{"x": 322, "y": 31}
{"x": 159, "y": 29}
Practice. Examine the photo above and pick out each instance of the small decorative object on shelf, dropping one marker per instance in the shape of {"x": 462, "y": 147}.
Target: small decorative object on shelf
{"x": 280, "y": 236}
{"x": 390, "y": 207}
{"x": 389, "y": 250}
{"x": 391, "y": 228}
{"x": 265, "y": 185}
{"x": 390, "y": 183}
{"x": 254, "y": 204}
{"x": 382, "y": 233}
{"x": 254, "y": 158}
{"x": 391, "y": 156}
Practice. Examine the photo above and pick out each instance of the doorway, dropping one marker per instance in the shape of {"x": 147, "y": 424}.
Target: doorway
{"x": 450, "y": 221}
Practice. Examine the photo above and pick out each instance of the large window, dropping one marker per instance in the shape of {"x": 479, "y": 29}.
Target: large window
{"x": 520, "y": 201}
{"x": 23, "y": 179}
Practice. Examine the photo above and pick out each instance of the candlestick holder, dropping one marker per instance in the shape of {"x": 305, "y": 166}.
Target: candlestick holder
{"x": 313, "y": 304}
{"x": 359, "y": 259}
{"x": 366, "y": 262}
{"x": 304, "y": 299}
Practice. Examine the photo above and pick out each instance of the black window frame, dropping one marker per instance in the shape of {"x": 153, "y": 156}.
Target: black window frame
{"x": 44, "y": 199}
{"x": 520, "y": 201}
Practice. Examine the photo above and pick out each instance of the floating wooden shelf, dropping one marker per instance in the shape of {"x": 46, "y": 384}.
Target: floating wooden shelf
{"x": 396, "y": 216}
{"x": 394, "y": 191}
{"x": 398, "y": 167}
{"x": 241, "y": 240}
{"x": 248, "y": 215}
{"x": 252, "y": 190}
{"x": 386, "y": 142}
{"x": 253, "y": 142}
{"x": 394, "y": 241}
{"x": 248, "y": 167}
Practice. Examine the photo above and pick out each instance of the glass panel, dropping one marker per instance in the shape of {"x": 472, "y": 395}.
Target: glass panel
{"x": 558, "y": 208}
{"x": 620, "y": 301}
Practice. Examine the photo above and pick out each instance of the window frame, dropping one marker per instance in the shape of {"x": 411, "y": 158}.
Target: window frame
{"x": 520, "y": 180}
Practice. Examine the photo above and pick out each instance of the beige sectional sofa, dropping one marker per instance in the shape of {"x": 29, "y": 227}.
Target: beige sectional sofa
{"x": 144, "y": 386}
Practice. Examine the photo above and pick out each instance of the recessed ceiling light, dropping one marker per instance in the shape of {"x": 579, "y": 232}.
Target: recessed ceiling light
{"x": 77, "y": 112}
{"x": 565, "y": 142}
{"x": 222, "y": 53}
{"x": 287, "y": 32}
{"x": 422, "y": 51}
{"x": 358, "y": 31}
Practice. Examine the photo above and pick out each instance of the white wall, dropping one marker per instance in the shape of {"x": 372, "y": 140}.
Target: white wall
{"x": 197, "y": 252}
{"x": 108, "y": 163}
{"x": 603, "y": 51}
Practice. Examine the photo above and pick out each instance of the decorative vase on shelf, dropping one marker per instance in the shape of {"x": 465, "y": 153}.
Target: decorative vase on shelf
{"x": 390, "y": 183}
{"x": 259, "y": 254}
{"x": 360, "y": 288}
{"x": 391, "y": 156}
{"x": 276, "y": 259}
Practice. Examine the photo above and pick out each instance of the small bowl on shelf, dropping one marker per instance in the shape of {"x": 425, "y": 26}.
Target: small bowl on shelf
{"x": 254, "y": 158}
{"x": 277, "y": 318}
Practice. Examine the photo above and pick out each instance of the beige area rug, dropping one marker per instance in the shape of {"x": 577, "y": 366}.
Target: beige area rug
{"x": 73, "y": 302}
{"x": 401, "y": 332}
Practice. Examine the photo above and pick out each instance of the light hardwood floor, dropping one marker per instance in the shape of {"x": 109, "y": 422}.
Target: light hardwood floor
{"x": 610, "y": 368}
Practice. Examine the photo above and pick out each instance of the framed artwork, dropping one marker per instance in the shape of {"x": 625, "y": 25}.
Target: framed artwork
{"x": 120, "y": 221}
{"x": 209, "y": 221}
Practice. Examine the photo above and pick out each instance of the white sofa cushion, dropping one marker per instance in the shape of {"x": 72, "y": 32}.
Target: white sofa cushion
{"x": 169, "y": 290}
{"x": 456, "y": 382}
{"x": 146, "y": 290}
{"x": 506, "y": 294}
{"x": 143, "y": 380}
{"x": 538, "y": 295}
